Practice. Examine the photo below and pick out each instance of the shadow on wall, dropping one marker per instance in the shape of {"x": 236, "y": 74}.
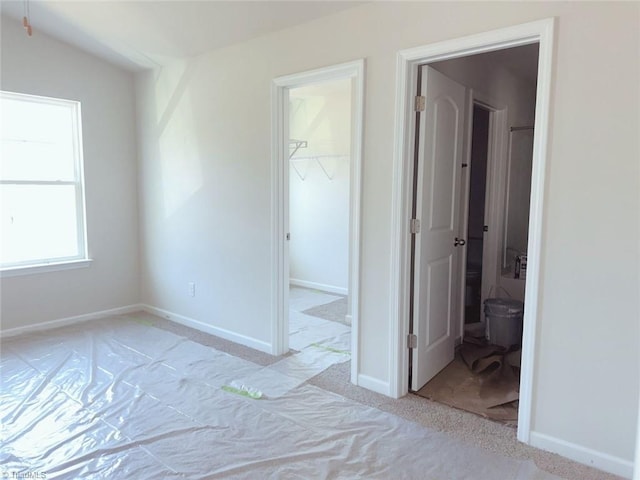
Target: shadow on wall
{"x": 204, "y": 219}
{"x": 174, "y": 143}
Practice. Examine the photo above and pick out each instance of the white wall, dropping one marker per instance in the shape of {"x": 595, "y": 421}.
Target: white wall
{"x": 519, "y": 191}
{"x": 205, "y": 194}
{"x": 41, "y": 65}
{"x": 319, "y": 186}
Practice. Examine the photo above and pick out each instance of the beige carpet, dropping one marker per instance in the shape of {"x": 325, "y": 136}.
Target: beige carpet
{"x": 471, "y": 428}
{"x": 159, "y": 405}
{"x": 335, "y": 311}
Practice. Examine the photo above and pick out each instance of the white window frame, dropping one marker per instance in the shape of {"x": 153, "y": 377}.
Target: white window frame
{"x": 58, "y": 263}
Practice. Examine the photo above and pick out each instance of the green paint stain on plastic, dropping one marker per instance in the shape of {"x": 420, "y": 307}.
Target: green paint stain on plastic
{"x": 243, "y": 393}
{"x": 331, "y": 349}
{"x": 148, "y": 323}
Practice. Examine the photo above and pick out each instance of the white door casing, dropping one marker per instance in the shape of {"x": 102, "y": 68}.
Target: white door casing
{"x": 354, "y": 70}
{"x": 436, "y": 277}
{"x": 408, "y": 62}
{"x": 494, "y": 182}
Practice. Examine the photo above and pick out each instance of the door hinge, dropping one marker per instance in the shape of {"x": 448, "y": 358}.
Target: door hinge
{"x": 412, "y": 341}
{"x": 415, "y": 226}
{"x": 485, "y": 228}
{"x": 420, "y": 103}
{"x": 288, "y": 236}
{"x": 465, "y": 165}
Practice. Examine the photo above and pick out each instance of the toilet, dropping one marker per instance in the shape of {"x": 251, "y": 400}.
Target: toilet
{"x": 473, "y": 284}
{"x": 473, "y": 281}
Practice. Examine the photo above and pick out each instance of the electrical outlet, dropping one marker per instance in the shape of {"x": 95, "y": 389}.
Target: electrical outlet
{"x": 192, "y": 289}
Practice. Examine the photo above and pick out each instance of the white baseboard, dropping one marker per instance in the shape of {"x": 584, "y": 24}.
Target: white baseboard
{"x": 205, "y": 327}
{"x": 319, "y": 286}
{"x": 61, "y": 322}
{"x": 373, "y": 384}
{"x": 584, "y": 455}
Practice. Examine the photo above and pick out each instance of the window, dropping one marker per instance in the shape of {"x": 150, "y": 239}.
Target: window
{"x": 41, "y": 182}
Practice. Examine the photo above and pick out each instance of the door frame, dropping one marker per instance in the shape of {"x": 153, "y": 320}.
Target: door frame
{"x": 541, "y": 32}
{"x": 280, "y": 198}
{"x": 494, "y": 195}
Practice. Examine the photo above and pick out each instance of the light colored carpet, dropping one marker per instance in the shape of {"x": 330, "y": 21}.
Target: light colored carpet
{"x": 117, "y": 397}
{"x": 218, "y": 343}
{"x": 459, "y": 424}
{"x": 335, "y": 311}
{"x": 301, "y": 299}
{"x": 462, "y": 425}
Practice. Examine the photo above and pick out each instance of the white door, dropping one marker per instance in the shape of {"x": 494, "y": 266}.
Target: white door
{"x": 437, "y": 193}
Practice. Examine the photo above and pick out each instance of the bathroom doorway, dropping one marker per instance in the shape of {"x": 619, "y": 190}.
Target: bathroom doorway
{"x": 476, "y": 205}
{"x": 459, "y": 360}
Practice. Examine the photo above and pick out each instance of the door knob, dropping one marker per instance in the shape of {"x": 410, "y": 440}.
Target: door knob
{"x": 459, "y": 242}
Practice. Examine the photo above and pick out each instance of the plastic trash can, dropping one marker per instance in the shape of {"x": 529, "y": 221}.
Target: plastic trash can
{"x": 504, "y": 321}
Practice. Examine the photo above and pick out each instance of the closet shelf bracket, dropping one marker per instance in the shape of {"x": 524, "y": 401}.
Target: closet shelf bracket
{"x": 327, "y": 163}
{"x": 296, "y": 145}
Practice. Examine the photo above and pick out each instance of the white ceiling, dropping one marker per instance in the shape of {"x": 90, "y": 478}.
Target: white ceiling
{"x": 146, "y": 33}
{"x": 522, "y": 61}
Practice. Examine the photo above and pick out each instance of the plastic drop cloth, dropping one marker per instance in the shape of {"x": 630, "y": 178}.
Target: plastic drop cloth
{"x": 305, "y": 330}
{"x": 120, "y": 399}
{"x": 303, "y": 298}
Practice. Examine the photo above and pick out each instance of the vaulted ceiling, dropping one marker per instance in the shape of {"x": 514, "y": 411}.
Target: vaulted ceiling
{"x": 143, "y": 34}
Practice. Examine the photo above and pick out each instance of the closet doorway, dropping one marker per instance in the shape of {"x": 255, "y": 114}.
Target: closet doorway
{"x": 317, "y": 171}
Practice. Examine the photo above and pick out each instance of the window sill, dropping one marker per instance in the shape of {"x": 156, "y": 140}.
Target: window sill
{"x": 44, "y": 267}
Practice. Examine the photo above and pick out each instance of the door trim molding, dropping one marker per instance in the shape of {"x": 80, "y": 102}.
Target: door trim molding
{"x": 541, "y": 32}
{"x": 496, "y": 159}
{"x": 280, "y": 191}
